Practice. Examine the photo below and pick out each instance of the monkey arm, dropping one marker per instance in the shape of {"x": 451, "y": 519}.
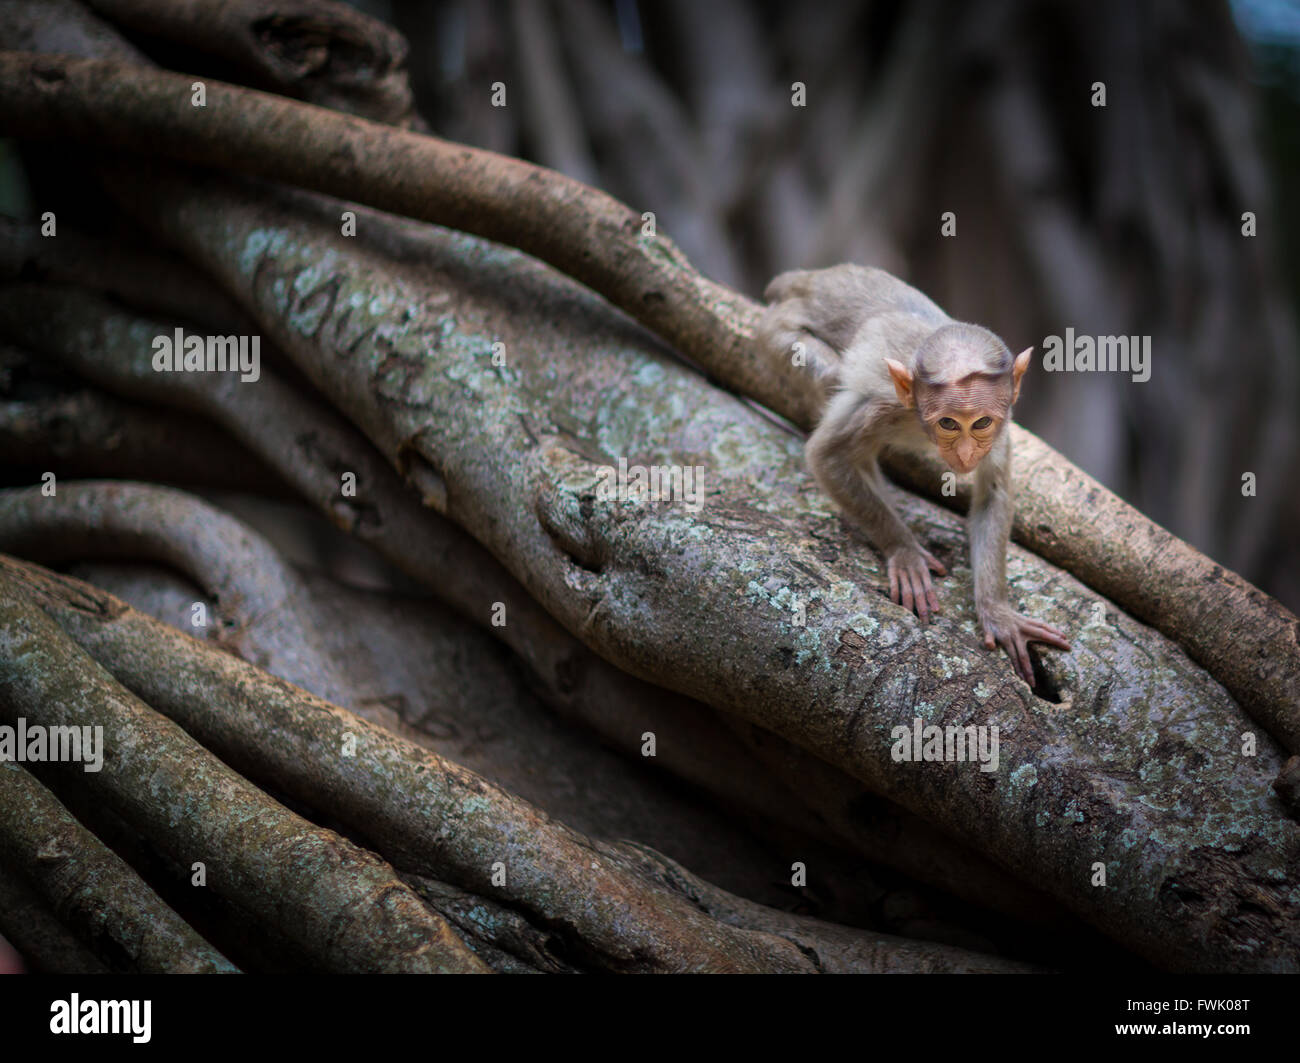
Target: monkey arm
{"x": 842, "y": 456}
{"x": 989, "y": 529}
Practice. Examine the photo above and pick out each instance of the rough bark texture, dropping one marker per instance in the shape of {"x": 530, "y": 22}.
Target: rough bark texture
{"x": 92, "y": 888}
{"x": 433, "y": 817}
{"x": 90, "y": 434}
{"x": 1140, "y": 769}
{"x": 424, "y": 675}
{"x": 30, "y": 925}
{"x": 582, "y": 231}
{"x": 1247, "y": 640}
{"x": 344, "y": 903}
{"x": 1063, "y": 514}
{"x": 1137, "y": 768}
{"x": 310, "y": 445}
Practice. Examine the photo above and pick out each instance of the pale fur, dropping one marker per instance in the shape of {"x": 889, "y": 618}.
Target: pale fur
{"x": 850, "y": 320}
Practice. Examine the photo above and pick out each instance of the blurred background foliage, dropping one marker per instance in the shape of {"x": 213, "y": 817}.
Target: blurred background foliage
{"x": 1116, "y": 220}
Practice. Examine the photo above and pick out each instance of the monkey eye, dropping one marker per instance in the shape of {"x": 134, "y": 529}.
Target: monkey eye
{"x": 948, "y": 424}
{"x": 983, "y": 422}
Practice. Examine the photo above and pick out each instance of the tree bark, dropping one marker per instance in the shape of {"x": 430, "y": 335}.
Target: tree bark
{"x": 1138, "y": 770}
{"x": 349, "y": 909}
{"x": 703, "y": 602}
{"x": 1247, "y": 640}
{"x": 309, "y": 445}
{"x": 327, "y": 53}
{"x": 93, "y": 889}
{"x": 433, "y": 817}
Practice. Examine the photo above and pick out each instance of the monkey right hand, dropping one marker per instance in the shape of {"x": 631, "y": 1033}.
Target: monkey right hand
{"x": 1004, "y": 627}
{"x": 909, "y": 570}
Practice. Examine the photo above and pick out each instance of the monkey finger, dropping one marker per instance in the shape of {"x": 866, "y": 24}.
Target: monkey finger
{"x": 1036, "y": 632}
{"x": 1039, "y": 625}
{"x": 893, "y": 584}
{"x": 1058, "y": 640}
{"x": 922, "y": 601}
{"x": 1019, "y": 655}
{"x": 1054, "y": 642}
{"x": 935, "y": 565}
{"x": 905, "y": 585}
{"x": 1026, "y": 670}
{"x": 927, "y": 588}
{"x": 1029, "y": 665}
{"x": 922, "y": 592}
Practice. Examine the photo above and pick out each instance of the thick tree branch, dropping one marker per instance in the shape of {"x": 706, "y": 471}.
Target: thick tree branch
{"x": 349, "y": 910}
{"x": 447, "y": 686}
{"x": 87, "y": 434}
{"x": 327, "y": 53}
{"x": 155, "y": 283}
{"x": 431, "y": 816}
{"x": 311, "y": 445}
{"x": 91, "y": 888}
{"x": 1246, "y": 639}
{"x": 703, "y": 600}
{"x": 29, "y": 924}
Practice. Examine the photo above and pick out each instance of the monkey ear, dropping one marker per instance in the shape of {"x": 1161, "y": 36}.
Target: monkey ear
{"x": 902, "y": 377}
{"x": 1018, "y": 370}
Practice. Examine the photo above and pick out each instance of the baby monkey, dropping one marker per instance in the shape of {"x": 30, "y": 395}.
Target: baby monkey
{"x": 903, "y": 374}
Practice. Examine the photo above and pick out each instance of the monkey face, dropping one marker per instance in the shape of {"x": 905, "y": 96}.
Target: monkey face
{"x": 964, "y": 419}
{"x": 965, "y": 437}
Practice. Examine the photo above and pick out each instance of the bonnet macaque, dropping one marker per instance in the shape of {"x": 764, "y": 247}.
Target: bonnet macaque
{"x": 903, "y": 374}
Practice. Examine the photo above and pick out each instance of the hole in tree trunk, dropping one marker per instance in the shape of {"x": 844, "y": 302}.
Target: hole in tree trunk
{"x": 1044, "y": 685}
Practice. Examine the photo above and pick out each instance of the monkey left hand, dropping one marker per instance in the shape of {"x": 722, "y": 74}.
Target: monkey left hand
{"x": 1004, "y": 627}
{"x": 909, "y": 570}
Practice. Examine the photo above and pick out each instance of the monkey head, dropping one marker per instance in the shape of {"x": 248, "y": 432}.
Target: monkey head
{"x": 962, "y": 388}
